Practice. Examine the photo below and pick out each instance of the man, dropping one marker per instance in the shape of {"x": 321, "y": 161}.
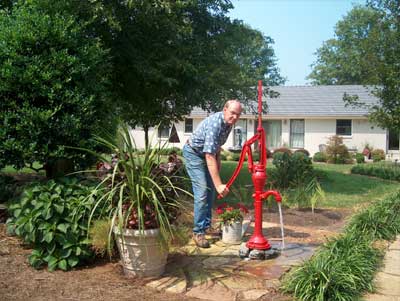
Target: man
{"x": 202, "y": 156}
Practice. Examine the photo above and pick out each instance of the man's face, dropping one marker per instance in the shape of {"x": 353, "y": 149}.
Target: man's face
{"x": 232, "y": 113}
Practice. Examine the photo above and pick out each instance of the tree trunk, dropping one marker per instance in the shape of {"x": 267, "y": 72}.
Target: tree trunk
{"x": 146, "y": 136}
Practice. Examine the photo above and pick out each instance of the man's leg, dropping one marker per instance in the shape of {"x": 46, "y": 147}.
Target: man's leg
{"x": 196, "y": 168}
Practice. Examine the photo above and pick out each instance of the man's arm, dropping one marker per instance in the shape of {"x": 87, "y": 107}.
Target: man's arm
{"x": 212, "y": 166}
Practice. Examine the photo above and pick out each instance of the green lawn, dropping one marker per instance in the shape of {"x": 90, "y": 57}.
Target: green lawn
{"x": 342, "y": 189}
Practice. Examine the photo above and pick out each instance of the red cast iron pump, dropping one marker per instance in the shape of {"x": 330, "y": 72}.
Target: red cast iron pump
{"x": 259, "y": 177}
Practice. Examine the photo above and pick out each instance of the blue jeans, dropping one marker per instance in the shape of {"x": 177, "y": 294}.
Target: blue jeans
{"x": 203, "y": 188}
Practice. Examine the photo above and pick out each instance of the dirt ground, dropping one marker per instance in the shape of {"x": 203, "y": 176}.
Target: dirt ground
{"x": 105, "y": 281}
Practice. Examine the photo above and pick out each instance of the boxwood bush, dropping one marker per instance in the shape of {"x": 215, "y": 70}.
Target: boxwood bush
{"x": 53, "y": 219}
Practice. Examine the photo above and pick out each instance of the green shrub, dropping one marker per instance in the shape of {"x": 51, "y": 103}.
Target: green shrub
{"x": 320, "y": 157}
{"x": 53, "y": 217}
{"x": 292, "y": 170}
{"x": 304, "y": 151}
{"x": 336, "y": 151}
{"x": 378, "y": 155}
{"x": 360, "y": 158}
{"x": 384, "y": 171}
{"x": 282, "y": 150}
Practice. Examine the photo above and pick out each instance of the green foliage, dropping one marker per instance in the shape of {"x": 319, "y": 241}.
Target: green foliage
{"x": 381, "y": 221}
{"x": 53, "y": 217}
{"x": 304, "y": 151}
{"x": 345, "y": 266}
{"x": 53, "y": 85}
{"x": 336, "y": 151}
{"x": 360, "y": 158}
{"x": 389, "y": 171}
{"x": 341, "y": 270}
{"x": 366, "y": 51}
{"x": 320, "y": 157}
{"x": 136, "y": 190}
{"x": 291, "y": 170}
{"x": 378, "y": 155}
{"x": 350, "y": 57}
{"x": 99, "y": 235}
{"x": 7, "y": 188}
{"x": 306, "y": 194}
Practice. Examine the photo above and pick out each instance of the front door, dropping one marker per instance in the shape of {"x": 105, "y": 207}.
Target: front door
{"x": 393, "y": 144}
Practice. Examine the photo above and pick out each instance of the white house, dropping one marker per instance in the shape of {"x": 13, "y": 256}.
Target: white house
{"x": 300, "y": 117}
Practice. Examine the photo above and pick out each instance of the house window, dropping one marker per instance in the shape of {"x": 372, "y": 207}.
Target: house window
{"x": 163, "y": 132}
{"x": 297, "y": 133}
{"x": 273, "y": 129}
{"x": 343, "y": 127}
{"x": 188, "y": 125}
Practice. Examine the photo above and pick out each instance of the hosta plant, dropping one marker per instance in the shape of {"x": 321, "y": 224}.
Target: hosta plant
{"x": 53, "y": 219}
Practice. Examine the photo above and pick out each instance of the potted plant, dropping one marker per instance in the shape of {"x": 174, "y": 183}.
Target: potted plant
{"x": 231, "y": 220}
{"x": 144, "y": 200}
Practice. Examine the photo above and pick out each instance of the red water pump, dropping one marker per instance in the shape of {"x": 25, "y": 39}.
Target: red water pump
{"x": 259, "y": 177}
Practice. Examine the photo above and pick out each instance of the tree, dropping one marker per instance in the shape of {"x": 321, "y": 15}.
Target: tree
{"x": 366, "y": 51}
{"x": 53, "y": 86}
{"x": 387, "y": 113}
{"x": 352, "y": 57}
{"x": 169, "y": 56}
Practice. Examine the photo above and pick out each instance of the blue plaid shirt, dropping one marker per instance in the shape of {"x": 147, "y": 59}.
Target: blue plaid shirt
{"x": 211, "y": 134}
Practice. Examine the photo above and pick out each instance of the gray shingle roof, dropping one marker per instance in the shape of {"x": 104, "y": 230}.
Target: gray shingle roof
{"x": 312, "y": 101}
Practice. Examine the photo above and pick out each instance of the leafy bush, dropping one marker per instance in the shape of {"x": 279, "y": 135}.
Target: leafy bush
{"x": 360, "y": 158}
{"x": 320, "y": 157}
{"x": 388, "y": 171}
{"x": 283, "y": 150}
{"x": 292, "y": 170}
{"x": 378, "y": 155}
{"x": 337, "y": 152}
{"x": 53, "y": 217}
{"x": 302, "y": 150}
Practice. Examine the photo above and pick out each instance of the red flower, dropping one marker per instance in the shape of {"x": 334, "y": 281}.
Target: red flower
{"x": 219, "y": 211}
{"x": 229, "y": 209}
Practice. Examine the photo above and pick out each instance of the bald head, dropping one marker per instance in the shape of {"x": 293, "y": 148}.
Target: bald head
{"x": 232, "y": 110}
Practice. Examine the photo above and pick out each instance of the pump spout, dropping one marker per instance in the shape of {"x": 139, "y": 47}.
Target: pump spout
{"x": 274, "y": 193}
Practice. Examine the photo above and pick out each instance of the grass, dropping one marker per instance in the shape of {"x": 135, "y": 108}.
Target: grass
{"x": 343, "y": 189}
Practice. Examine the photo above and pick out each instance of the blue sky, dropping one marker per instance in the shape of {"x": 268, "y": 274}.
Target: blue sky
{"x": 298, "y": 28}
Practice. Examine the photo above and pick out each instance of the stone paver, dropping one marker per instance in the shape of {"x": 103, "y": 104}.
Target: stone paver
{"x": 218, "y": 273}
{"x": 387, "y": 281}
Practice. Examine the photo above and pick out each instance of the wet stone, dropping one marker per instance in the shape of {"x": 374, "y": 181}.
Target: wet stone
{"x": 257, "y": 254}
{"x": 244, "y": 251}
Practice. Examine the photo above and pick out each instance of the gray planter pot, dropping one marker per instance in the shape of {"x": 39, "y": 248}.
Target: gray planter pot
{"x": 142, "y": 254}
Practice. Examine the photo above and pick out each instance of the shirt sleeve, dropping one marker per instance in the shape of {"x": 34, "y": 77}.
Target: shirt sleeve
{"x": 211, "y": 140}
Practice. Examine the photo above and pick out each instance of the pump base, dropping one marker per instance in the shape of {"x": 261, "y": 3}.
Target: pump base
{"x": 245, "y": 252}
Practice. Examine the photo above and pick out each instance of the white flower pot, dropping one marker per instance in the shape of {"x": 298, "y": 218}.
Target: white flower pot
{"x": 232, "y": 233}
{"x": 141, "y": 253}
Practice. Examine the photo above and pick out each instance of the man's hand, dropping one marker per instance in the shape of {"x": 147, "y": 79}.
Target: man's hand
{"x": 222, "y": 190}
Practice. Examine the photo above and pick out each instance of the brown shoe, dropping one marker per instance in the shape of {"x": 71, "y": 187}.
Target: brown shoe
{"x": 200, "y": 240}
